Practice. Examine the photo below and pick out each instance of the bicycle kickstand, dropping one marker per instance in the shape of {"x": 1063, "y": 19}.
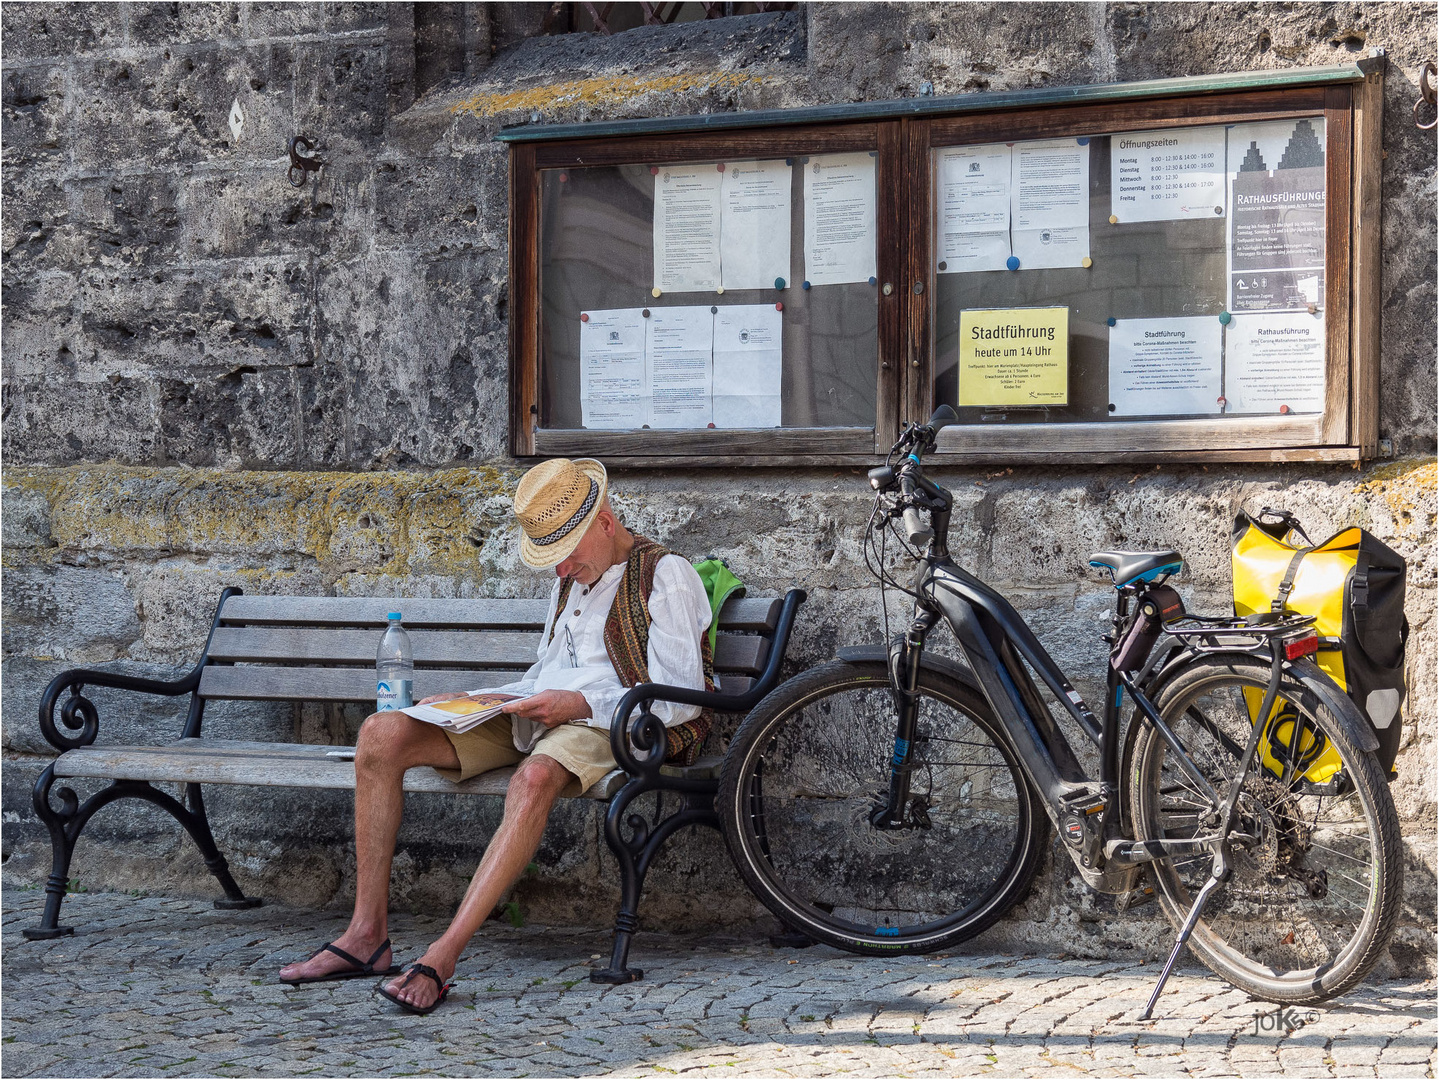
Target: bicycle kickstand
{"x": 1216, "y": 878}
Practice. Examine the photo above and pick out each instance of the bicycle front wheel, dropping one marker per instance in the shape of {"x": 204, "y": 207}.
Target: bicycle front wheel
{"x": 1315, "y": 889}
{"x": 811, "y": 763}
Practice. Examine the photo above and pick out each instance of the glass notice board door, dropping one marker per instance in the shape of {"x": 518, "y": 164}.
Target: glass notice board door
{"x": 1116, "y": 279}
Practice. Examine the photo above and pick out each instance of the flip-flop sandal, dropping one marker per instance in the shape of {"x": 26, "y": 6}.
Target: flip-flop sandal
{"x": 429, "y": 973}
{"x": 361, "y": 969}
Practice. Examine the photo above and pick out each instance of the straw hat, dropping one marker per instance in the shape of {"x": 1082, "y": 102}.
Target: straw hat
{"x": 556, "y": 502}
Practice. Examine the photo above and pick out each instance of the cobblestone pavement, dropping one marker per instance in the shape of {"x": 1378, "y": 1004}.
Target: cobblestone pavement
{"x": 160, "y": 987}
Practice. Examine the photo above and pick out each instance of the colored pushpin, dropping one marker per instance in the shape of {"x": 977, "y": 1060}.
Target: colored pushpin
{"x": 584, "y": 317}
{"x": 1086, "y": 262}
{"x": 779, "y": 307}
{"x": 1224, "y": 318}
{"x": 714, "y": 310}
{"x": 1113, "y": 220}
{"x": 710, "y": 424}
{"x": 789, "y": 161}
{"x": 1111, "y": 320}
{"x": 645, "y": 313}
{"x": 654, "y": 170}
{"x": 1113, "y": 407}
{"x": 943, "y": 265}
{"x": 1083, "y": 140}
{"x": 564, "y": 176}
{"x": 655, "y": 292}
{"x": 1284, "y": 410}
{"x": 1222, "y": 401}
{"x": 720, "y": 290}
{"x": 1012, "y": 262}
{"x": 720, "y": 167}
{"x": 805, "y": 285}
{"x": 779, "y": 283}
{"x": 872, "y": 281}
{"x": 1312, "y": 309}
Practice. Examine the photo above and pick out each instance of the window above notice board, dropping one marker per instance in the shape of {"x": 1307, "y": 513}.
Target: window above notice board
{"x": 1177, "y": 270}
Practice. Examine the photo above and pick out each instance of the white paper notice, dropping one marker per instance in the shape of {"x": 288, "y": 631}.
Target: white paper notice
{"x": 839, "y": 238}
{"x": 679, "y": 349}
{"x": 687, "y": 229}
{"x": 1165, "y": 367}
{"x": 973, "y": 208}
{"x": 1049, "y": 203}
{"x": 747, "y": 366}
{"x": 1274, "y": 363}
{"x": 754, "y": 230}
{"x": 1168, "y": 175}
{"x": 613, "y": 386}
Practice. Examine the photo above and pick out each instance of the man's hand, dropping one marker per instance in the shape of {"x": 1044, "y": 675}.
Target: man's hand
{"x": 551, "y": 707}
{"x": 434, "y": 698}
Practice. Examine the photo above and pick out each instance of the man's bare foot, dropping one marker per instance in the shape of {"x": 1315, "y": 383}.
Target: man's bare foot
{"x": 326, "y": 962}
{"x": 415, "y": 989}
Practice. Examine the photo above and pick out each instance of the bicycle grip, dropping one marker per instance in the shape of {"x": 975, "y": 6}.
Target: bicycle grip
{"x": 915, "y": 529}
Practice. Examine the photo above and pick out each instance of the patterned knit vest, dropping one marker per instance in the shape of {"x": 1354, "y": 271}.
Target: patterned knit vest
{"x": 627, "y": 639}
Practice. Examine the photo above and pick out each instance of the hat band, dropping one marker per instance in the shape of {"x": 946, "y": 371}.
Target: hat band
{"x": 569, "y": 526}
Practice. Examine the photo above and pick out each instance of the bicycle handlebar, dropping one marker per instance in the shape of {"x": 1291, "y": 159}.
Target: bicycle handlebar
{"x": 909, "y": 477}
{"x": 916, "y": 530}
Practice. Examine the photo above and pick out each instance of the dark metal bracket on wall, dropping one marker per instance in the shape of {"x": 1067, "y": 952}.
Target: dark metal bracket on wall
{"x": 300, "y": 166}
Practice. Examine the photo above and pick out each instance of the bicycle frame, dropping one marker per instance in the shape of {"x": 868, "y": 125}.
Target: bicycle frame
{"x": 1001, "y": 649}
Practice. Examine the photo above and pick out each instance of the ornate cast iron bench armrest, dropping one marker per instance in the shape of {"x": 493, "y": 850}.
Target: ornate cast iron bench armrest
{"x": 642, "y": 753}
{"x": 78, "y": 712}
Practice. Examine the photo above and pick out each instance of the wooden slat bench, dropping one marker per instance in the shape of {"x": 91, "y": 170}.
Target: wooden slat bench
{"x": 322, "y": 649}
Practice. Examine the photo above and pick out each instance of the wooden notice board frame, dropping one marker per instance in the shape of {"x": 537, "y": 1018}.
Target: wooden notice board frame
{"x": 904, "y": 135}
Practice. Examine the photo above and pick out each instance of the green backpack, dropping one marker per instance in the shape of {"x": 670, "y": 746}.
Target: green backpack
{"x": 720, "y": 585}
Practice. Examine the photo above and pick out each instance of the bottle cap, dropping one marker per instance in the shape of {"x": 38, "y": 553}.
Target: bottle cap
{"x": 393, "y": 615}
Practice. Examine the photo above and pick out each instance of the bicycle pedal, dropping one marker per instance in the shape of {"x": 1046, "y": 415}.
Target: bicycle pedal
{"x": 1082, "y": 800}
{"x": 1135, "y": 898}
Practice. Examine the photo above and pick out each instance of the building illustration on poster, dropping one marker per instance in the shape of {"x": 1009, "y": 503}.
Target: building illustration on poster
{"x": 1276, "y": 240}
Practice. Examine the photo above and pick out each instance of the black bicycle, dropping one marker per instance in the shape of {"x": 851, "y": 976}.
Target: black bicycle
{"x": 895, "y": 800}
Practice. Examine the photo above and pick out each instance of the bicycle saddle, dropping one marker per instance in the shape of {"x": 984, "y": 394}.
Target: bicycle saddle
{"x": 1127, "y": 567}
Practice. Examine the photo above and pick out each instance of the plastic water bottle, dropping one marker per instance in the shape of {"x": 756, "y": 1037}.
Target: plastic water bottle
{"x": 394, "y": 668}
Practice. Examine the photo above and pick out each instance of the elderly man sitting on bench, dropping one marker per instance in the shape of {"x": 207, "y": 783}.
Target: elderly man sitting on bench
{"x": 623, "y": 611}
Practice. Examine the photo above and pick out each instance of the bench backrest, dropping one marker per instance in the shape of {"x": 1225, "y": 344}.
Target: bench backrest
{"x": 300, "y": 648}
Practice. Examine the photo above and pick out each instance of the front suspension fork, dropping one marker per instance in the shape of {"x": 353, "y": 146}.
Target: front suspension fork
{"x": 904, "y": 663}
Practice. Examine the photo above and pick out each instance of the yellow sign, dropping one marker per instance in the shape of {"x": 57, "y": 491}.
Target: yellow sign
{"x": 1014, "y": 356}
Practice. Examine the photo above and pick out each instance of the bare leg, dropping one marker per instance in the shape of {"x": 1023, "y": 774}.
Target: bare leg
{"x": 389, "y": 743}
{"x": 536, "y": 785}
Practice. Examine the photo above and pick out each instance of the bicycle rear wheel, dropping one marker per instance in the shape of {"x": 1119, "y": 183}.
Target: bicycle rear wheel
{"x": 808, "y": 766}
{"x": 1313, "y": 898}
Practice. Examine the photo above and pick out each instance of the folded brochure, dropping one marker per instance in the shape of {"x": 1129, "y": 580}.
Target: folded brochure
{"x": 462, "y": 713}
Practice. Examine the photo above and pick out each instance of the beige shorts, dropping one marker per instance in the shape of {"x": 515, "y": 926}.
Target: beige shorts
{"x": 583, "y": 750}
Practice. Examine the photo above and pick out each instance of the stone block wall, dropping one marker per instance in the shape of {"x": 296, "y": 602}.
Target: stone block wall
{"x": 211, "y": 379}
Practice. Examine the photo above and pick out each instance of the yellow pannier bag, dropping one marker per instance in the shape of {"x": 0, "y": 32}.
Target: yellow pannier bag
{"x": 1354, "y": 587}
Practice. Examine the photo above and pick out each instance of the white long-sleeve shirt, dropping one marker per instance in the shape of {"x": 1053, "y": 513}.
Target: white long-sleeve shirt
{"x": 575, "y": 657}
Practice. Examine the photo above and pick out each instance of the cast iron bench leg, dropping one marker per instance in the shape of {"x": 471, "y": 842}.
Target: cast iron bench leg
{"x": 66, "y": 823}
{"x": 61, "y": 847}
{"x": 634, "y": 857}
{"x": 214, "y": 861}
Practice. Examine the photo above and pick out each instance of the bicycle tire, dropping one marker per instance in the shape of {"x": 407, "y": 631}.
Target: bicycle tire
{"x": 811, "y": 761}
{"x": 1312, "y": 901}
